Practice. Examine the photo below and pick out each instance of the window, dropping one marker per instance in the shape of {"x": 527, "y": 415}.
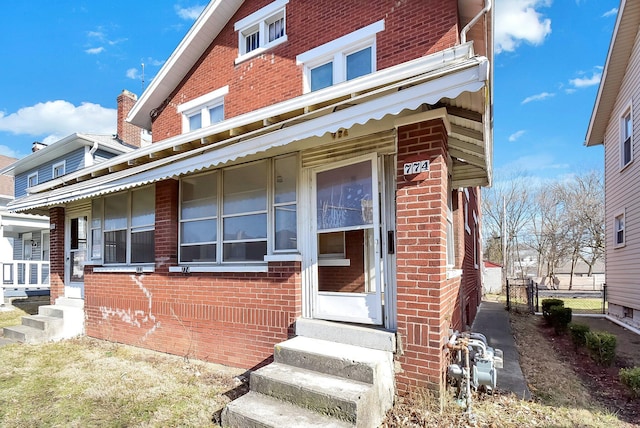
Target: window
{"x": 32, "y": 179}
{"x": 129, "y": 227}
{"x": 619, "y": 238}
{"x": 261, "y": 30}
{"x": 343, "y": 59}
{"x": 451, "y": 256}
{"x": 203, "y": 111}
{"x": 231, "y": 215}
{"x": 96, "y": 228}
{"x": 626, "y": 148}
{"x": 467, "y": 227}
{"x": 58, "y": 169}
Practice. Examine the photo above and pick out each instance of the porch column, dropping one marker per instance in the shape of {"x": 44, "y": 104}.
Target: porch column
{"x": 425, "y": 299}
{"x": 166, "y": 233}
{"x": 56, "y": 253}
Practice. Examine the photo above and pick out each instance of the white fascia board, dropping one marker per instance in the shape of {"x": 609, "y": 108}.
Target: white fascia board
{"x": 206, "y": 28}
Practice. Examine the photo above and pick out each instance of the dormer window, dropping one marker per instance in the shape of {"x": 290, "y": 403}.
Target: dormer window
{"x": 348, "y": 57}
{"x": 261, "y": 30}
{"x": 203, "y": 111}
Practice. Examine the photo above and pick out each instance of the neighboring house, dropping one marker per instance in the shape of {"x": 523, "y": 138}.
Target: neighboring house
{"x": 315, "y": 171}
{"x": 491, "y": 278}
{"x": 616, "y": 125}
{"x": 28, "y": 236}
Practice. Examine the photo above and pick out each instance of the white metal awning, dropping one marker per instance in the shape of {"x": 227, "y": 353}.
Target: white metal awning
{"x": 448, "y": 81}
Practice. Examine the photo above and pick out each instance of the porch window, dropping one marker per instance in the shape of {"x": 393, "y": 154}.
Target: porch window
{"x": 262, "y": 30}
{"x": 626, "y": 147}
{"x": 236, "y": 214}
{"x": 96, "y": 228}
{"x": 129, "y": 227}
{"x": 345, "y": 58}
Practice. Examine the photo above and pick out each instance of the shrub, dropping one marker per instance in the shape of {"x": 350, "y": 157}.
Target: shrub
{"x": 602, "y": 346}
{"x": 547, "y": 304}
{"x": 631, "y": 379}
{"x": 559, "y": 317}
{"x": 578, "y": 332}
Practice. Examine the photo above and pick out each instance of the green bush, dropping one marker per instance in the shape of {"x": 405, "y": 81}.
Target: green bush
{"x": 547, "y": 304}
{"x": 601, "y": 346}
{"x": 559, "y": 317}
{"x": 631, "y": 379}
{"x": 578, "y": 332}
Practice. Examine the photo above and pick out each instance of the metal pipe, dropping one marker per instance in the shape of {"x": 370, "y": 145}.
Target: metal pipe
{"x": 463, "y": 33}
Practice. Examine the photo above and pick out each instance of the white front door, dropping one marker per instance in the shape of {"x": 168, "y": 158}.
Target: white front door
{"x": 76, "y": 255}
{"x": 346, "y": 259}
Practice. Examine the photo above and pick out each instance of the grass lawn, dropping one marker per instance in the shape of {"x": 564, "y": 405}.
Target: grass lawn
{"x": 11, "y": 317}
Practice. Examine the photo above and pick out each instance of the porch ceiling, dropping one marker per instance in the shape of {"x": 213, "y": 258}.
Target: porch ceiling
{"x": 454, "y": 78}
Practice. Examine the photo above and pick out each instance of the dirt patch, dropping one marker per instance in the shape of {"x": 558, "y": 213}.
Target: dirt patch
{"x": 603, "y": 383}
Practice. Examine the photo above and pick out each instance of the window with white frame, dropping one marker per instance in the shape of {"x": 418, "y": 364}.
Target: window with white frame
{"x": 57, "y": 170}
{"x": 32, "y": 179}
{"x": 343, "y": 59}
{"x": 262, "y": 30}
{"x": 124, "y": 224}
{"x": 230, "y": 215}
{"x": 476, "y": 242}
{"x": 619, "y": 238}
{"x": 451, "y": 255}
{"x": 467, "y": 227}
{"x": 203, "y": 111}
{"x": 626, "y": 140}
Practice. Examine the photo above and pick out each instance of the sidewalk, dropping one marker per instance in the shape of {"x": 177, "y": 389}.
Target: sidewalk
{"x": 492, "y": 320}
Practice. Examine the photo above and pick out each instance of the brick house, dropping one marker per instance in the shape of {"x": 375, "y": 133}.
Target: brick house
{"x": 315, "y": 167}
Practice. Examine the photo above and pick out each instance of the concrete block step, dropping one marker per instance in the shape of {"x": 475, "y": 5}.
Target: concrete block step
{"x": 349, "y": 334}
{"x": 337, "y": 359}
{"x": 24, "y": 334}
{"x": 341, "y": 398}
{"x": 51, "y": 311}
{"x": 66, "y": 301}
{"x": 43, "y": 322}
{"x": 254, "y": 410}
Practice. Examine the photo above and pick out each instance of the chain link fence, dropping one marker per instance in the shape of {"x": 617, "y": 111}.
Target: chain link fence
{"x": 526, "y": 295}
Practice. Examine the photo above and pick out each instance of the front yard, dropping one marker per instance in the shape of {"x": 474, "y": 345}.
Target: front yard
{"x": 86, "y": 382}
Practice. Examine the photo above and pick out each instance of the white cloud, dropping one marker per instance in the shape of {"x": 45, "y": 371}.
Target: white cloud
{"x": 133, "y": 73}
{"x": 612, "y": 12}
{"x": 538, "y": 97}
{"x": 516, "y": 135}
{"x": 189, "y": 13}
{"x": 518, "y": 21}
{"x": 9, "y": 152}
{"x": 94, "y": 51}
{"x": 53, "y": 120}
{"x": 584, "y": 82}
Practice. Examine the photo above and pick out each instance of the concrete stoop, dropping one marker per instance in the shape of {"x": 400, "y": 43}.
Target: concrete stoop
{"x": 63, "y": 320}
{"x": 316, "y": 383}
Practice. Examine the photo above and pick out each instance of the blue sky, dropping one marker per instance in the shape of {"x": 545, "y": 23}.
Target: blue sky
{"x": 63, "y": 64}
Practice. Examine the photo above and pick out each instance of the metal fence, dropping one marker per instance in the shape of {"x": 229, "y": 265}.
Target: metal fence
{"x": 525, "y": 295}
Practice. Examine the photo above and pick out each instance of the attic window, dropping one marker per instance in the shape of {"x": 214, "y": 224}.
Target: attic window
{"x": 261, "y": 30}
{"x": 58, "y": 169}
{"x": 203, "y": 111}
{"x": 32, "y": 179}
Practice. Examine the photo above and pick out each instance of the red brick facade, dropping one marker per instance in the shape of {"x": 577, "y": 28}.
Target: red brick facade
{"x": 57, "y": 252}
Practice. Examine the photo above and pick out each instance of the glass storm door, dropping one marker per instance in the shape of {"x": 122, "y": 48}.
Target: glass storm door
{"x": 76, "y": 246}
{"x": 346, "y": 243}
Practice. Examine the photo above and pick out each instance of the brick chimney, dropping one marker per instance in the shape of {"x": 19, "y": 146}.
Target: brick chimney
{"x": 127, "y": 132}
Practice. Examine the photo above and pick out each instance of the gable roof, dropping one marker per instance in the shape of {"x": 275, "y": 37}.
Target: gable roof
{"x": 622, "y": 41}
{"x": 211, "y": 22}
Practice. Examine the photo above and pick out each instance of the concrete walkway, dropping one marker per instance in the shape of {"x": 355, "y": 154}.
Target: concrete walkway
{"x": 492, "y": 320}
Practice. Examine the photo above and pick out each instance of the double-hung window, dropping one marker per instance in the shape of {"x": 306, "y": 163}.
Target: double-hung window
{"x": 57, "y": 170}
{"x": 32, "y": 179}
{"x": 127, "y": 221}
{"x": 231, "y": 215}
{"x": 346, "y": 58}
{"x": 262, "y": 30}
{"x": 203, "y": 111}
{"x": 619, "y": 230}
{"x": 626, "y": 140}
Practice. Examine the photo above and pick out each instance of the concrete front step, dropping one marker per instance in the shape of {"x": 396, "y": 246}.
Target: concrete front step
{"x": 341, "y": 398}
{"x": 255, "y": 410}
{"x": 24, "y": 334}
{"x": 349, "y": 334}
{"x": 338, "y": 359}
{"x": 43, "y": 322}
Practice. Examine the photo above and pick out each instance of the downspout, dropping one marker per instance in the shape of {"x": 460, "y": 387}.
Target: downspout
{"x": 91, "y": 153}
{"x": 463, "y": 33}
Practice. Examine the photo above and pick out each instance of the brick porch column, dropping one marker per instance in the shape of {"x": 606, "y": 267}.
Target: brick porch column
{"x": 166, "y": 233}
{"x": 56, "y": 253}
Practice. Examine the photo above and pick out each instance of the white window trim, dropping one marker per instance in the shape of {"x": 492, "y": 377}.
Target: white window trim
{"x": 626, "y": 112}
{"x": 476, "y": 242}
{"x": 337, "y": 50}
{"x": 30, "y": 176}
{"x": 56, "y": 165}
{"x": 201, "y": 105}
{"x": 617, "y": 244}
{"x": 258, "y": 20}
{"x": 467, "y": 227}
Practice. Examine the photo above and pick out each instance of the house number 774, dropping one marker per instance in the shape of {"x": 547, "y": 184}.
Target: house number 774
{"x": 416, "y": 167}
